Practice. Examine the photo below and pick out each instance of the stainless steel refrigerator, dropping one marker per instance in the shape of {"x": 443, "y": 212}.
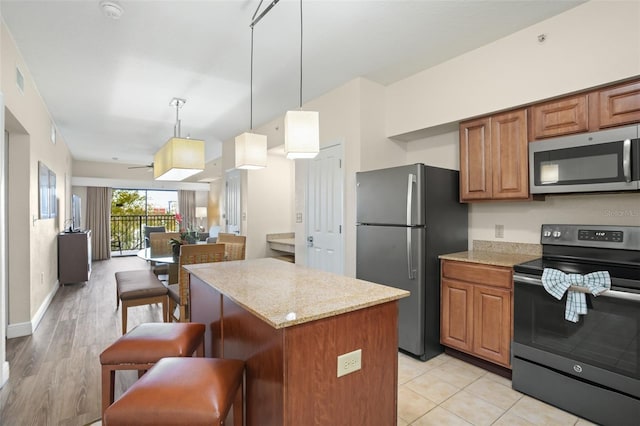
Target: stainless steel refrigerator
{"x": 406, "y": 217}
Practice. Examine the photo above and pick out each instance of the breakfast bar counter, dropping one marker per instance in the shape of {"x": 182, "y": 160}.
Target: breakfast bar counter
{"x": 289, "y": 324}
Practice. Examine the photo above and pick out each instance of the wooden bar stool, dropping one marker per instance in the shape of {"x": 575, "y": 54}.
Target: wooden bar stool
{"x": 182, "y": 391}
{"x": 144, "y": 346}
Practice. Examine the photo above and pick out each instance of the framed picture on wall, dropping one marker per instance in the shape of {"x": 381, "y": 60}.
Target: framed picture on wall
{"x": 53, "y": 199}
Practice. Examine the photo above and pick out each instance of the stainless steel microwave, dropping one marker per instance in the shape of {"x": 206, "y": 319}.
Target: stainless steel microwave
{"x": 607, "y": 160}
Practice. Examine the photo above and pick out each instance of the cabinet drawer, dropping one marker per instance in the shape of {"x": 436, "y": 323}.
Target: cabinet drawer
{"x": 476, "y": 273}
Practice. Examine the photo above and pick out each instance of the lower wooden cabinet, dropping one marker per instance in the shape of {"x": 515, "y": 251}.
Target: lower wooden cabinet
{"x": 476, "y": 310}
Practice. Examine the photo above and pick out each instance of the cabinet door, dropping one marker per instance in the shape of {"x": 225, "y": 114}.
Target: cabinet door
{"x": 492, "y": 324}
{"x": 620, "y": 105}
{"x": 509, "y": 148}
{"x": 560, "y": 117}
{"x": 475, "y": 160}
{"x": 456, "y": 315}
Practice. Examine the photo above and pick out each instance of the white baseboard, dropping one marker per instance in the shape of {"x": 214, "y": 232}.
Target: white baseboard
{"x": 4, "y": 374}
{"x": 27, "y": 328}
{"x": 19, "y": 330}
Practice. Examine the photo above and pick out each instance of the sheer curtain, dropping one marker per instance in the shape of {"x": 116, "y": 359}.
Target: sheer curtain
{"x": 187, "y": 208}
{"x": 99, "y": 221}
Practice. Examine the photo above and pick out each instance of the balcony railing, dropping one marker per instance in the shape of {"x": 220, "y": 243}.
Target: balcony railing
{"x": 128, "y": 230}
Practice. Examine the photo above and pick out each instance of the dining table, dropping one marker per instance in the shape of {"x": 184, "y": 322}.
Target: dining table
{"x": 163, "y": 257}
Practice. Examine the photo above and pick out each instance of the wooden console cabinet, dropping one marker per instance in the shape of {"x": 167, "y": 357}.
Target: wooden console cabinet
{"x": 74, "y": 257}
{"x": 476, "y": 310}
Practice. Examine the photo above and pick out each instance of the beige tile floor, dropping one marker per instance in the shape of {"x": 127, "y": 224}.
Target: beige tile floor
{"x": 447, "y": 391}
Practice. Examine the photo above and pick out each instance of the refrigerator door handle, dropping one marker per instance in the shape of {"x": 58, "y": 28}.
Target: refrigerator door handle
{"x": 410, "y": 182}
{"x": 411, "y": 271}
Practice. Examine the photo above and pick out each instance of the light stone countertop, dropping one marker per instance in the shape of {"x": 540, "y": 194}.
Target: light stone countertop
{"x": 285, "y": 242}
{"x": 489, "y": 257}
{"x": 497, "y": 253}
{"x": 285, "y": 294}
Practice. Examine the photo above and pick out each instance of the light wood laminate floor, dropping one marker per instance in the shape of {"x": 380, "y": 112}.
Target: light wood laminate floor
{"x": 55, "y": 373}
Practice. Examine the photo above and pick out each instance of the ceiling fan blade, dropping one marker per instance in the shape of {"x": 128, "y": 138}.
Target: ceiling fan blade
{"x": 150, "y": 166}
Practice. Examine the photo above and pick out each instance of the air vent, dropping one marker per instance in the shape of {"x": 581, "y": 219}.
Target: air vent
{"x": 20, "y": 80}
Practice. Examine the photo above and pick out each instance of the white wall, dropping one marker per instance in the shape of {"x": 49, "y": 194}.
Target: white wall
{"x": 33, "y": 260}
{"x": 592, "y": 44}
{"x": 269, "y": 207}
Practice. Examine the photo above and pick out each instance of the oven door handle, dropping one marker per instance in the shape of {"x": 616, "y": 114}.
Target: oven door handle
{"x": 616, "y": 294}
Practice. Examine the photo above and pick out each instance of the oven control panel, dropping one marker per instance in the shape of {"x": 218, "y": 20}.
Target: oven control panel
{"x": 604, "y": 236}
{"x": 597, "y": 235}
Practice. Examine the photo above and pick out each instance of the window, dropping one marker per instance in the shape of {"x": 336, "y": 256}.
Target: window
{"x": 133, "y": 209}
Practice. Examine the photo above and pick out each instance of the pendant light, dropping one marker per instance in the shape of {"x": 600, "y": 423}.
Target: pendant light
{"x": 301, "y": 128}
{"x": 251, "y": 148}
{"x": 179, "y": 158}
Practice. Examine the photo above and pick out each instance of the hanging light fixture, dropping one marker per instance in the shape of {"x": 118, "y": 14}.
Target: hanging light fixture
{"x": 301, "y": 128}
{"x": 251, "y": 148}
{"x": 179, "y": 158}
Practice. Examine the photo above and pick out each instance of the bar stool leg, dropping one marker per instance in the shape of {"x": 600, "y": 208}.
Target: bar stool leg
{"x": 108, "y": 387}
{"x": 238, "y": 411}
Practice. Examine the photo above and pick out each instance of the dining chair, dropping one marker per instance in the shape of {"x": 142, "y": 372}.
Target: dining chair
{"x": 189, "y": 255}
{"x": 235, "y": 245}
{"x": 159, "y": 245}
{"x": 148, "y": 230}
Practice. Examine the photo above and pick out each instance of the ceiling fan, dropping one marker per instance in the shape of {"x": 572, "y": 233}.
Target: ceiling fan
{"x": 147, "y": 166}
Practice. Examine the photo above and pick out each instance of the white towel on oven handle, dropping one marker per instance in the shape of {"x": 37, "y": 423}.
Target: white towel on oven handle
{"x": 557, "y": 282}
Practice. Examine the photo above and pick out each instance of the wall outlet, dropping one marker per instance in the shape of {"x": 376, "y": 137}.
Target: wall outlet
{"x": 298, "y": 217}
{"x": 499, "y": 231}
{"x": 349, "y": 362}
{"x": 41, "y": 277}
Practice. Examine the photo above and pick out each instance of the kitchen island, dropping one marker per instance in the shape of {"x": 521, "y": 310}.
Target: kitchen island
{"x": 289, "y": 324}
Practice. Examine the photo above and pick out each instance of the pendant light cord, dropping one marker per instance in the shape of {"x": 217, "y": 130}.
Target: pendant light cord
{"x": 300, "y": 54}
{"x": 251, "y": 85}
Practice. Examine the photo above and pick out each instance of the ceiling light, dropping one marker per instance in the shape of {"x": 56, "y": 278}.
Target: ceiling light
{"x": 251, "y": 151}
{"x": 179, "y": 158}
{"x": 301, "y": 128}
{"x": 111, "y": 9}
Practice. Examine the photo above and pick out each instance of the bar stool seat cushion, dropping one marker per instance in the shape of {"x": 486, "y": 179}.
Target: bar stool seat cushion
{"x": 147, "y": 343}
{"x": 180, "y": 391}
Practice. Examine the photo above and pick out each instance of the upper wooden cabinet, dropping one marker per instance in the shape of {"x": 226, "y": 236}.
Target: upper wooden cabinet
{"x": 475, "y": 160}
{"x": 591, "y": 111}
{"x": 619, "y": 105}
{"x": 560, "y": 117}
{"x": 494, "y": 157}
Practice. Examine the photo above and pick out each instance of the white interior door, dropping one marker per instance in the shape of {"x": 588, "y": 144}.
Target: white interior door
{"x": 325, "y": 211}
{"x": 234, "y": 201}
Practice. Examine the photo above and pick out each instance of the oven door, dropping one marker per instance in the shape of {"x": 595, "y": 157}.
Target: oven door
{"x": 602, "y": 347}
{"x": 600, "y": 161}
